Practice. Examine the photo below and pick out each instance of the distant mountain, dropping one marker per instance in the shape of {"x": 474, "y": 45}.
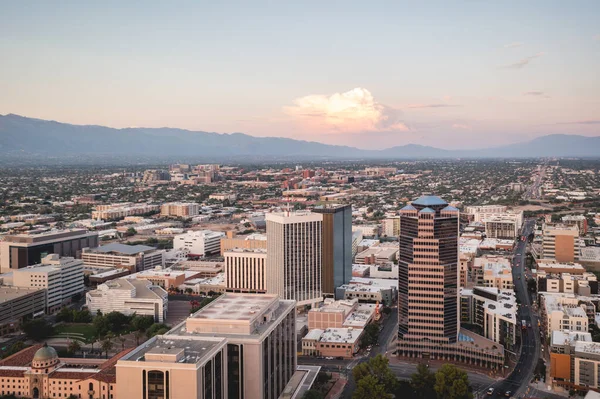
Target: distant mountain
{"x": 24, "y": 136}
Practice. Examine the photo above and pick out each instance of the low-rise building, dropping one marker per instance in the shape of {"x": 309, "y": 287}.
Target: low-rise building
{"x": 377, "y": 254}
{"x": 334, "y": 342}
{"x": 585, "y": 284}
{"x": 205, "y": 285}
{"x": 576, "y": 220}
{"x": 339, "y": 314}
{"x": 493, "y": 271}
{"x": 119, "y": 211}
{"x": 251, "y": 241}
{"x": 563, "y": 312}
{"x": 199, "y": 243}
{"x": 388, "y": 270}
{"x": 368, "y": 290}
{"x": 562, "y": 348}
{"x": 116, "y": 255}
{"x": 17, "y": 303}
{"x": 129, "y": 296}
{"x": 180, "y": 209}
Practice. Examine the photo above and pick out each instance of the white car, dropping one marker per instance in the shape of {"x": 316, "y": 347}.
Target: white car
{"x": 490, "y": 391}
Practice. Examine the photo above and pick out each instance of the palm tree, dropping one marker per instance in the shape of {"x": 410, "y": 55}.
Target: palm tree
{"x": 122, "y": 339}
{"x": 107, "y": 345}
{"x": 138, "y": 335}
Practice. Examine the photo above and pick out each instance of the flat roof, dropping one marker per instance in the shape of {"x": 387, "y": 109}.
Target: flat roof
{"x": 11, "y": 293}
{"x": 341, "y": 335}
{"x": 122, "y": 248}
{"x": 235, "y": 307}
{"x": 173, "y": 349}
{"x": 570, "y": 337}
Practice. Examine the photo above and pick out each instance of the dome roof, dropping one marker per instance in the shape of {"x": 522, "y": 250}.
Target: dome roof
{"x": 45, "y": 353}
{"x": 429, "y": 200}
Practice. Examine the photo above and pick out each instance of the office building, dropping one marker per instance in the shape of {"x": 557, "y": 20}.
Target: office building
{"x": 61, "y": 278}
{"x": 174, "y": 367}
{"x": 479, "y": 213}
{"x": 245, "y": 270}
{"x": 560, "y": 242}
{"x": 369, "y": 290}
{"x": 337, "y": 246}
{"x": 428, "y": 296}
{"x": 332, "y": 342}
{"x": 129, "y": 296}
{"x": 563, "y": 357}
{"x": 21, "y": 250}
{"x": 261, "y": 341}
{"x": 563, "y": 312}
{"x": 115, "y": 255}
{"x": 199, "y": 243}
{"x": 17, "y": 303}
{"x": 180, "y": 209}
{"x": 294, "y": 256}
{"x": 378, "y": 254}
{"x": 585, "y": 284}
{"x": 341, "y": 314}
{"x": 506, "y": 226}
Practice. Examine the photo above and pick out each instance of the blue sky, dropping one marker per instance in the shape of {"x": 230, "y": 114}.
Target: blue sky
{"x": 453, "y": 74}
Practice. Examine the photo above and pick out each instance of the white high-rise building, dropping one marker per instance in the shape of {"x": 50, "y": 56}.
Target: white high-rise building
{"x": 294, "y": 256}
{"x": 61, "y": 277}
{"x": 245, "y": 270}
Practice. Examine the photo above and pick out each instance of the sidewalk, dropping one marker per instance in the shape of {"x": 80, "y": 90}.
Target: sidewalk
{"x": 438, "y": 363}
{"x": 543, "y": 387}
{"x": 337, "y": 389}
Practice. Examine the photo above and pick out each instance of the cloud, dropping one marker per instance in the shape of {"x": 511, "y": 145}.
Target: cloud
{"x": 588, "y": 122}
{"x": 536, "y": 94}
{"x": 524, "y": 62}
{"x": 353, "y": 111}
{"x": 432, "y": 105}
{"x": 461, "y": 126}
{"x": 513, "y": 45}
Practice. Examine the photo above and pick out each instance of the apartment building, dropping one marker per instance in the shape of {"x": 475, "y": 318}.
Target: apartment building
{"x": 492, "y": 271}
{"x": 17, "y": 303}
{"x": 180, "y": 209}
{"x": 261, "y": 341}
{"x": 61, "y": 278}
{"x": 245, "y": 270}
{"x": 562, "y": 348}
{"x": 21, "y": 250}
{"x": 560, "y": 242}
{"x": 175, "y": 367}
{"x": 585, "y": 284}
{"x": 294, "y": 256}
{"x": 576, "y": 220}
{"x": 122, "y": 210}
{"x": 563, "y": 312}
{"x": 199, "y": 243}
{"x": 481, "y": 212}
{"x": 115, "y": 255}
{"x": 505, "y": 226}
{"x": 129, "y": 296}
{"x": 492, "y": 309}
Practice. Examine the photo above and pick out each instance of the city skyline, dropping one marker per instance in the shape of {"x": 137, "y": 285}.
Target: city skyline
{"x": 371, "y": 76}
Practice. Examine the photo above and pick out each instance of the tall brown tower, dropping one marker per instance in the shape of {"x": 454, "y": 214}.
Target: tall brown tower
{"x": 428, "y": 276}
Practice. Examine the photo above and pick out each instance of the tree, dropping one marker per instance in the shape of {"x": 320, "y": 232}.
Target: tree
{"x": 74, "y": 346}
{"x": 379, "y": 368}
{"x": 370, "y": 335}
{"x": 122, "y": 339}
{"x": 141, "y": 323}
{"x": 107, "y": 345}
{"x": 130, "y": 232}
{"x": 370, "y": 388}
{"x": 313, "y": 394}
{"x": 452, "y": 383}
{"x": 37, "y": 329}
{"x": 65, "y": 314}
{"x": 422, "y": 382}
{"x": 531, "y": 285}
{"x": 138, "y": 334}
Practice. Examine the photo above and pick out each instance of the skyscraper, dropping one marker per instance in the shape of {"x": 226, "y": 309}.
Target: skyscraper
{"x": 428, "y": 296}
{"x": 428, "y": 271}
{"x": 337, "y": 246}
{"x": 294, "y": 256}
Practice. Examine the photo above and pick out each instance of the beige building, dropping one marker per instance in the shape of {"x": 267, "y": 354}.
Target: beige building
{"x": 294, "y": 256}
{"x": 38, "y": 372}
{"x": 199, "y": 243}
{"x": 261, "y": 341}
{"x": 21, "y": 250}
{"x": 17, "y": 303}
{"x": 61, "y": 278}
{"x": 122, "y": 210}
{"x": 339, "y": 314}
{"x": 390, "y": 227}
{"x": 506, "y": 226}
{"x": 129, "y": 296}
{"x": 332, "y": 342}
{"x": 245, "y": 270}
{"x": 563, "y": 312}
{"x": 481, "y": 212}
{"x": 180, "y": 209}
{"x": 560, "y": 242}
{"x": 174, "y": 367}
{"x": 251, "y": 241}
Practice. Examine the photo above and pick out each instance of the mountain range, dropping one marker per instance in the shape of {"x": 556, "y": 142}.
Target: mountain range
{"x": 22, "y": 136}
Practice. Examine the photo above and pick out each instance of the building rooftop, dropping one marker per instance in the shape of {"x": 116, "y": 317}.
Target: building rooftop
{"x": 342, "y": 335}
{"x": 592, "y": 348}
{"x": 10, "y": 293}
{"x": 236, "y": 307}
{"x": 174, "y": 349}
{"x": 118, "y": 248}
{"x": 429, "y": 200}
{"x": 570, "y": 337}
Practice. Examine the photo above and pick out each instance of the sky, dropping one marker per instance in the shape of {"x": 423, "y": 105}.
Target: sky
{"x": 450, "y": 74}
